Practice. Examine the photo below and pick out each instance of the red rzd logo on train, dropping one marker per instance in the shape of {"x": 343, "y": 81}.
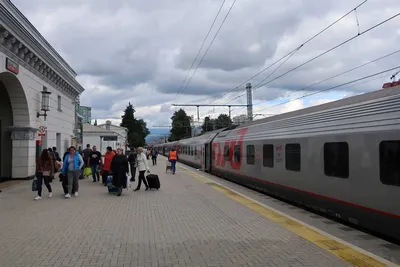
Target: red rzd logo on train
{"x": 218, "y": 151}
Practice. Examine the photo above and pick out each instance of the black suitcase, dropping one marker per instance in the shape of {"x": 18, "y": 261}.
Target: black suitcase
{"x": 153, "y": 181}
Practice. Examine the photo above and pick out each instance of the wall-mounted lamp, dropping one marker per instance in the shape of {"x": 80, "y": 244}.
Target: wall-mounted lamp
{"x": 45, "y": 102}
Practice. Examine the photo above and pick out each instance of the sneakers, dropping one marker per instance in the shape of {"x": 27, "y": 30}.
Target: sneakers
{"x": 39, "y": 197}
{"x": 76, "y": 194}
{"x": 67, "y": 196}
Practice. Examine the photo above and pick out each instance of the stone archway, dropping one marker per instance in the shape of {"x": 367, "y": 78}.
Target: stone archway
{"x": 17, "y": 137}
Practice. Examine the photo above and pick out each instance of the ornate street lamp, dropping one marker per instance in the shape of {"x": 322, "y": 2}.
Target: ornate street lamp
{"x": 45, "y": 102}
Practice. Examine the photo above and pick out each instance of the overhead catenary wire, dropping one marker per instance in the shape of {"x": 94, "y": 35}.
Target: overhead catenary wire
{"x": 363, "y": 82}
{"x": 376, "y": 78}
{"x": 331, "y": 49}
{"x": 333, "y": 87}
{"x": 339, "y": 74}
{"x": 326, "y": 52}
{"x": 270, "y": 73}
{"x": 297, "y": 48}
{"x": 208, "y": 48}
{"x": 198, "y": 52}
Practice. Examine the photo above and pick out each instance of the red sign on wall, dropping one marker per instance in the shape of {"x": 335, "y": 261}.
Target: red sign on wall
{"x": 12, "y": 66}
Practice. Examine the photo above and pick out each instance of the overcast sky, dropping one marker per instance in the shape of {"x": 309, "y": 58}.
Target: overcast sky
{"x": 141, "y": 51}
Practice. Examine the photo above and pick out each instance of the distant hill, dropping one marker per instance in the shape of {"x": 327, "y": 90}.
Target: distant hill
{"x": 155, "y": 131}
{"x": 156, "y": 134}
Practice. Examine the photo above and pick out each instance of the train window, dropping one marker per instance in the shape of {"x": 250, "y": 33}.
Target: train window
{"x": 226, "y": 152}
{"x": 191, "y": 151}
{"x": 293, "y": 157}
{"x": 336, "y": 159}
{"x": 268, "y": 156}
{"x": 236, "y": 153}
{"x": 250, "y": 155}
{"x": 195, "y": 150}
{"x": 389, "y": 160}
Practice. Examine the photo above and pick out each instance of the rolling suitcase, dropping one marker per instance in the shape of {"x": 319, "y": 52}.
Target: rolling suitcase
{"x": 111, "y": 188}
{"x": 153, "y": 181}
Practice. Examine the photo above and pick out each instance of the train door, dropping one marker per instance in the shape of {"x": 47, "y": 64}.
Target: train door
{"x": 207, "y": 157}
{"x": 203, "y": 157}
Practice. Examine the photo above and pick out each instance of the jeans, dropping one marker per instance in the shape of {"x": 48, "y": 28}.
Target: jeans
{"x": 173, "y": 165}
{"x": 95, "y": 172}
{"x": 73, "y": 180}
{"x": 40, "y": 179}
{"x": 154, "y": 158}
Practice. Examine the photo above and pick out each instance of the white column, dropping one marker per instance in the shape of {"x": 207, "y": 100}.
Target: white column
{"x": 23, "y": 152}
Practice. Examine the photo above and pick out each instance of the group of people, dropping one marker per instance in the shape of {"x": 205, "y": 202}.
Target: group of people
{"x": 115, "y": 163}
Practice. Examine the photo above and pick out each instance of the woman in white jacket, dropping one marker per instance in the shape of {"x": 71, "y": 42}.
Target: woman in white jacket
{"x": 142, "y": 166}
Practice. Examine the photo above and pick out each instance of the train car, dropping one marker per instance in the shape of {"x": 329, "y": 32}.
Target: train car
{"x": 192, "y": 150}
{"x": 341, "y": 158}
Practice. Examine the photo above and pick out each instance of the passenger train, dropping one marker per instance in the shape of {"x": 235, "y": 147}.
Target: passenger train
{"x": 341, "y": 158}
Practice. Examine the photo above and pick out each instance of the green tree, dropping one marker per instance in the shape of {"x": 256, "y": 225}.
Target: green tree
{"x": 180, "y": 126}
{"x": 208, "y": 124}
{"x": 137, "y": 129}
{"x": 223, "y": 121}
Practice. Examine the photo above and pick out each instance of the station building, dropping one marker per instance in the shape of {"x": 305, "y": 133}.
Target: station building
{"x": 105, "y": 135}
{"x": 38, "y": 92}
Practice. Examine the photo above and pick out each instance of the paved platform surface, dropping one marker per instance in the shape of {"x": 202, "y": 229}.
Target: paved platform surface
{"x": 185, "y": 223}
{"x": 363, "y": 240}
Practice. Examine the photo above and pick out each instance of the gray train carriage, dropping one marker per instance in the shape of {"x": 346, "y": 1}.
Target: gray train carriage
{"x": 166, "y": 148}
{"x": 192, "y": 151}
{"x": 341, "y": 158}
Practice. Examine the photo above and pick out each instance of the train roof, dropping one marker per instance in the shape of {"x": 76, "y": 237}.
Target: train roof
{"x": 367, "y": 112}
{"x": 391, "y": 91}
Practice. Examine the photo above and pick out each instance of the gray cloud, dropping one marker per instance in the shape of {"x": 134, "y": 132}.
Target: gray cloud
{"x": 140, "y": 51}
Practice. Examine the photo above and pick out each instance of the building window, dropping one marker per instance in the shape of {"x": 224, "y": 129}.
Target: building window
{"x": 336, "y": 159}
{"x": 389, "y": 161}
{"x": 58, "y": 142}
{"x": 59, "y": 103}
{"x": 226, "y": 153}
{"x": 293, "y": 157}
{"x": 236, "y": 153}
{"x": 250, "y": 155}
{"x": 268, "y": 156}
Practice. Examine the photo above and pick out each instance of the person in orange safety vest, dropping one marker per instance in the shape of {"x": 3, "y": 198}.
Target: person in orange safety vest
{"x": 173, "y": 158}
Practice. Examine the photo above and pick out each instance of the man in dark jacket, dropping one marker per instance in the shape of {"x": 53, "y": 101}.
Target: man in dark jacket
{"x": 56, "y": 154}
{"x": 133, "y": 163}
{"x": 154, "y": 155}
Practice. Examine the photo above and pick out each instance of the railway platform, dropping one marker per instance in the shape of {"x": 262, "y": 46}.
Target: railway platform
{"x": 195, "y": 219}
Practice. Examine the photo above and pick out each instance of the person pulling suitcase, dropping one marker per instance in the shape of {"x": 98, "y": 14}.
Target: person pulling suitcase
{"x": 142, "y": 166}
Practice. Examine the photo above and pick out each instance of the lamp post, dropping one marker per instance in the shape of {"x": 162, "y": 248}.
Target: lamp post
{"x": 45, "y": 103}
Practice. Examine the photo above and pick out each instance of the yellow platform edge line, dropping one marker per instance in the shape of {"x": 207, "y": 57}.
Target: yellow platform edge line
{"x": 340, "y": 248}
